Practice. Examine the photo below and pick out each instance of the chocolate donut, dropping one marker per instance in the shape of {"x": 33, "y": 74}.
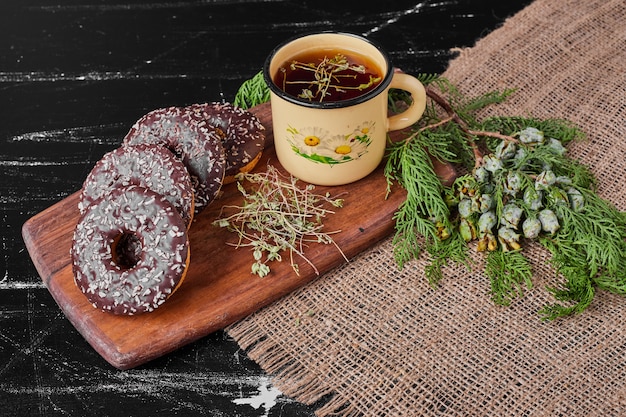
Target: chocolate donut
{"x": 130, "y": 251}
{"x": 198, "y": 145}
{"x": 147, "y": 165}
{"x": 244, "y": 135}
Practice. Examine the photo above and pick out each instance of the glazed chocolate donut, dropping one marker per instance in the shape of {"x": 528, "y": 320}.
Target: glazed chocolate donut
{"x": 199, "y": 147}
{"x": 147, "y": 165}
{"x": 244, "y": 135}
{"x": 130, "y": 251}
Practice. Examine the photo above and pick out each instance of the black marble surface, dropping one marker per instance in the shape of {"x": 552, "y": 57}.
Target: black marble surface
{"x": 74, "y": 75}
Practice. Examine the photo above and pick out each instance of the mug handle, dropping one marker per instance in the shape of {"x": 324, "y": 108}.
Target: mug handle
{"x": 412, "y": 114}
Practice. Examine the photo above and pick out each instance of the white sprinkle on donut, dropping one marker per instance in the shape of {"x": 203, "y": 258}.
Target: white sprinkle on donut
{"x": 198, "y": 145}
{"x": 147, "y": 165}
{"x": 114, "y": 260}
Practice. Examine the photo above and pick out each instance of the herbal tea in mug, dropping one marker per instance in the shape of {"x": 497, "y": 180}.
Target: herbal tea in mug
{"x": 329, "y": 94}
{"x": 327, "y": 75}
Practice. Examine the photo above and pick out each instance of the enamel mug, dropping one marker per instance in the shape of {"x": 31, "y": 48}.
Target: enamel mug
{"x": 337, "y": 142}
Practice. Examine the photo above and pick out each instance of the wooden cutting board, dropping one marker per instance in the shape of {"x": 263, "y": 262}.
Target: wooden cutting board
{"x": 219, "y": 288}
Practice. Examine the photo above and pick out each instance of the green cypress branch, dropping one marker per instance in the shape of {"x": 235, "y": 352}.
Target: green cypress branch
{"x": 585, "y": 234}
{"x": 252, "y": 92}
{"x": 507, "y": 272}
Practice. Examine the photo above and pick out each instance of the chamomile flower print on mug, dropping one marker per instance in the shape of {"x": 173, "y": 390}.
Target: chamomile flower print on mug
{"x": 319, "y": 145}
{"x": 306, "y": 141}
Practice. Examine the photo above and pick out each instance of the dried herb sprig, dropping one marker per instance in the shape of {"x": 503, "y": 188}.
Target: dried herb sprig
{"x": 277, "y": 216}
{"x": 255, "y": 91}
{"x": 328, "y": 75}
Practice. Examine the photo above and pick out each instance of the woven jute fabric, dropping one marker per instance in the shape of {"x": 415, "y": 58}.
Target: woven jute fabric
{"x": 368, "y": 339}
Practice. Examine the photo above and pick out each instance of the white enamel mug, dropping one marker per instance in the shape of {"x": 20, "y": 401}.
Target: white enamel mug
{"x": 335, "y": 143}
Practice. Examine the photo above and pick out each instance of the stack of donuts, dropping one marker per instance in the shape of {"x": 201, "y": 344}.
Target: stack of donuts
{"x": 130, "y": 248}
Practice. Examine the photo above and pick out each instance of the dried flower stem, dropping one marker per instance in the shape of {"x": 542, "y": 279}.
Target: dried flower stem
{"x": 326, "y": 77}
{"x": 278, "y": 216}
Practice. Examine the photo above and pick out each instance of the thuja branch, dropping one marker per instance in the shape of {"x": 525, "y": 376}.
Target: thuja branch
{"x": 431, "y": 126}
{"x": 453, "y": 116}
{"x": 445, "y": 105}
{"x": 520, "y": 187}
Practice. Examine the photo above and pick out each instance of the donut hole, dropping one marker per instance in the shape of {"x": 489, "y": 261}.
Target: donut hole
{"x": 126, "y": 250}
{"x": 176, "y": 151}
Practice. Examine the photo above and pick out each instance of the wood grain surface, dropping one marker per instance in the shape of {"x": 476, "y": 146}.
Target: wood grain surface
{"x": 219, "y": 287}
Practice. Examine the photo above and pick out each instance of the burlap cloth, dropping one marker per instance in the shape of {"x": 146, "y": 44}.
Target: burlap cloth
{"x": 369, "y": 340}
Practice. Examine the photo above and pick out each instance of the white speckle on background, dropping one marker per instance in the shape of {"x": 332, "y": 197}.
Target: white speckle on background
{"x": 266, "y": 397}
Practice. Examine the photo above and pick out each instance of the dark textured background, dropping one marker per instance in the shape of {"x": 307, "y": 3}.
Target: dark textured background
{"x": 74, "y": 76}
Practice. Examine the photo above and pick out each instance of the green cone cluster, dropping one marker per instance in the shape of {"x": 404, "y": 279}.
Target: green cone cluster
{"x": 512, "y": 193}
